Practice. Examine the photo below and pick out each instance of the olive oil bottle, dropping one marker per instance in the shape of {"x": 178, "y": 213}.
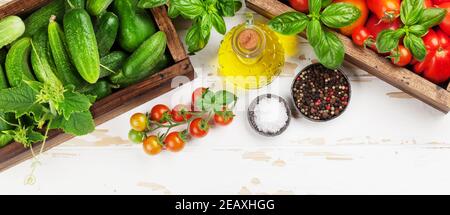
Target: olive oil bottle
{"x": 250, "y": 55}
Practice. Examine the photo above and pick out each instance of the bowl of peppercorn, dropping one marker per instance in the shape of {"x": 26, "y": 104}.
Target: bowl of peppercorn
{"x": 321, "y": 94}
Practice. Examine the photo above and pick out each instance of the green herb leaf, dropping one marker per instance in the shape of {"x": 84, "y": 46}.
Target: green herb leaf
{"x": 205, "y": 25}
{"x": 78, "y": 124}
{"x": 194, "y": 39}
{"x": 418, "y": 30}
{"x": 325, "y": 3}
{"x": 314, "y": 32}
{"x": 388, "y": 40}
{"x": 432, "y": 17}
{"x": 219, "y": 23}
{"x": 5, "y": 139}
{"x": 20, "y": 100}
{"x": 151, "y": 3}
{"x": 411, "y": 11}
{"x": 340, "y": 15}
{"x": 207, "y": 102}
{"x": 228, "y": 7}
{"x": 74, "y": 102}
{"x": 330, "y": 50}
{"x": 315, "y": 6}
{"x": 172, "y": 11}
{"x": 416, "y": 45}
{"x": 190, "y": 9}
{"x": 224, "y": 97}
{"x": 289, "y": 23}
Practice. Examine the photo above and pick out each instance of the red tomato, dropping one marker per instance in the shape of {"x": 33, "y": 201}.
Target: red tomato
{"x": 375, "y": 26}
{"x": 299, "y": 5}
{"x": 436, "y": 66}
{"x": 199, "y": 128}
{"x": 386, "y": 10}
{"x": 138, "y": 122}
{"x": 445, "y": 25}
{"x": 196, "y": 95}
{"x": 401, "y": 57}
{"x": 428, "y": 3}
{"x": 440, "y": 1}
{"x": 223, "y": 117}
{"x": 362, "y": 6}
{"x": 152, "y": 145}
{"x": 180, "y": 113}
{"x": 175, "y": 141}
{"x": 160, "y": 113}
{"x": 362, "y": 37}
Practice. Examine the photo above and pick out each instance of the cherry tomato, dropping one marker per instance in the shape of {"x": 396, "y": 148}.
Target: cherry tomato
{"x": 175, "y": 141}
{"x": 299, "y": 5}
{"x": 375, "y": 26}
{"x": 196, "y": 95}
{"x": 136, "y": 136}
{"x": 223, "y": 117}
{"x": 139, "y": 121}
{"x": 445, "y": 25}
{"x": 385, "y": 10}
{"x": 159, "y": 112}
{"x": 362, "y": 37}
{"x": 362, "y": 6}
{"x": 152, "y": 145}
{"x": 428, "y": 3}
{"x": 401, "y": 56}
{"x": 180, "y": 113}
{"x": 199, "y": 128}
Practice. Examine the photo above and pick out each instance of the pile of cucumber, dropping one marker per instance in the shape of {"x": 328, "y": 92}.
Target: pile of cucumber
{"x": 94, "y": 46}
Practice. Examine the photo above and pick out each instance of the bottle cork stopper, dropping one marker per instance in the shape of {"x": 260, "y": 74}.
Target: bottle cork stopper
{"x": 248, "y": 39}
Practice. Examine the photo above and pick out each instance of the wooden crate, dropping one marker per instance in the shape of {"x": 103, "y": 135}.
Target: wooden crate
{"x": 117, "y": 103}
{"x": 374, "y": 64}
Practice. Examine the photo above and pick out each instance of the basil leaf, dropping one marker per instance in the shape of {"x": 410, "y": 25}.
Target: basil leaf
{"x": 207, "y": 102}
{"x": 325, "y": 3}
{"x": 432, "y": 17}
{"x": 418, "y": 30}
{"x": 289, "y": 23}
{"x": 151, "y": 3}
{"x": 205, "y": 25}
{"x": 315, "y": 6}
{"x": 314, "y": 32}
{"x": 228, "y": 7}
{"x": 340, "y": 15}
{"x": 194, "y": 38}
{"x": 330, "y": 50}
{"x": 190, "y": 9}
{"x": 416, "y": 45}
{"x": 224, "y": 97}
{"x": 388, "y": 40}
{"x": 218, "y": 23}
{"x": 411, "y": 11}
{"x": 173, "y": 12}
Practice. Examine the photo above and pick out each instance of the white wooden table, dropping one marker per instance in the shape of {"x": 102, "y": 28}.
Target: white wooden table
{"x": 386, "y": 143}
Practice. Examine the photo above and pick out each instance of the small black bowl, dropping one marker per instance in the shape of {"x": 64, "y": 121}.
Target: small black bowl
{"x": 251, "y": 115}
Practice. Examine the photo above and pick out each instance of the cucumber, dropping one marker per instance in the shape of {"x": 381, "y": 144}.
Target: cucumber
{"x": 101, "y": 89}
{"x": 97, "y": 7}
{"x": 143, "y": 60}
{"x": 39, "y": 19}
{"x": 2, "y": 56}
{"x": 64, "y": 68}
{"x": 5, "y": 139}
{"x": 11, "y": 28}
{"x": 106, "y": 32}
{"x": 17, "y": 62}
{"x": 135, "y": 24}
{"x": 3, "y": 81}
{"x": 82, "y": 44}
{"x": 41, "y": 59}
{"x": 113, "y": 61}
{"x": 74, "y": 4}
{"x": 123, "y": 81}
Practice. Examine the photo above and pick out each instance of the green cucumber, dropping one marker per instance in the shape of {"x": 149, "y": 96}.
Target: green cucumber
{"x": 101, "y": 89}
{"x": 39, "y": 19}
{"x": 3, "y": 81}
{"x": 41, "y": 59}
{"x": 97, "y": 7}
{"x": 11, "y": 28}
{"x": 64, "y": 68}
{"x": 74, "y": 4}
{"x": 124, "y": 81}
{"x": 112, "y": 63}
{"x": 17, "y": 62}
{"x": 135, "y": 24}
{"x": 143, "y": 60}
{"x": 106, "y": 32}
{"x": 82, "y": 44}
{"x": 2, "y": 56}
{"x": 9, "y": 117}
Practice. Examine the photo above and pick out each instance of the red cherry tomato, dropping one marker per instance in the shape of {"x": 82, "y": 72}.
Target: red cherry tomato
{"x": 152, "y": 145}
{"x": 224, "y": 117}
{"x": 299, "y": 5}
{"x": 159, "y": 112}
{"x": 138, "y": 122}
{"x": 196, "y": 95}
{"x": 401, "y": 57}
{"x": 375, "y": 26}
{"x": 199, "y": 128}
{"x": 362, "y": 6}
{"x": 386, "y": 10}
{"x": 175, "y": 141}
{"x": 445, "y": 25}
{"x": 180, "y": 113}
{"x": 362, "y": 36}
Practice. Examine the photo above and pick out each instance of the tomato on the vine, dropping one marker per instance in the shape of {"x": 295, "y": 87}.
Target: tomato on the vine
{"x": 175, "y": 141}
{"x": 152, "y": 145}
{"x": 376, "y": 26}
{"x": 160, "y": 113}
{"x": 180, "y": 113}
{"x": 139, "y": 122}
{"x": 361, "y": 21}
{"x": 199, "y": 128}
{"x": 136, "y": 136}
{"x": 196, "y": 96}
{"x": 224, "y": 117}
{"x": 363, "y": 37}
{"x": 445, "y": 24}
{"x": 401, "y": 56}
{"x": 385, "y": 10}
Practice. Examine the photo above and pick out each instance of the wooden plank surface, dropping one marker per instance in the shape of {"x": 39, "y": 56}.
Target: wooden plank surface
{"x": 401, "y": 78}
{"x": 19, "y": 7}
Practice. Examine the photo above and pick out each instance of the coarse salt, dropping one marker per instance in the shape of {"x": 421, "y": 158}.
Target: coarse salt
{"x": 270, "y": 115}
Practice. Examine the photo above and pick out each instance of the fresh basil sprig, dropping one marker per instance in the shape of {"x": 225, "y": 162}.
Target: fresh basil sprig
{"x": 329, "y": 49}
{"x": 417, "y": 20}
{"x": 205, "y": 14}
